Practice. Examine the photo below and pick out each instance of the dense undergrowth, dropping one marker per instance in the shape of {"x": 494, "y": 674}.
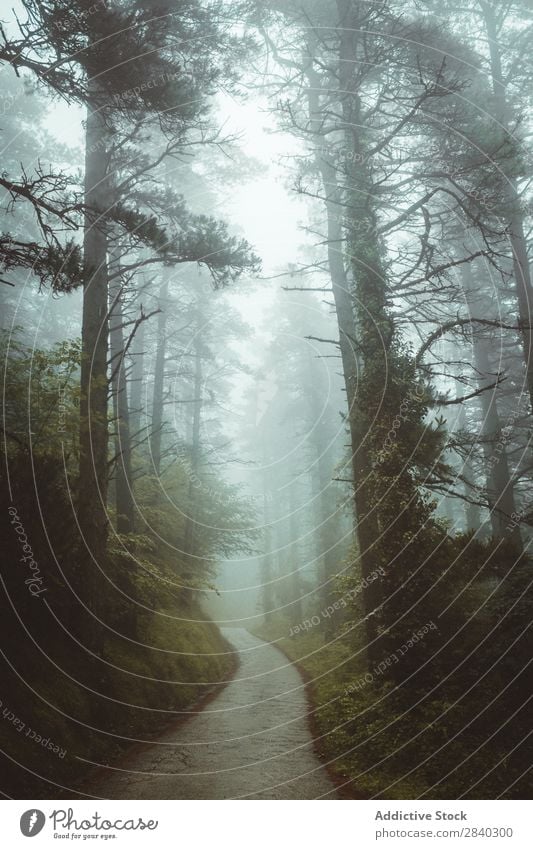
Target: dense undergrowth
{"x": 63, "y": 711}
{"x": 96, "y": 655}
{"x": 446, "y": 714}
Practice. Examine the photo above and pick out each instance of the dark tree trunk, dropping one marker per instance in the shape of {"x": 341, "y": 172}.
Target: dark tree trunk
{"x": 190, "y": 523}
{"x": 267, "y": 585}
{"x": 125, "y": 507}
{"x": 500, "y": 490}
{"x": 372, "y": 323}
{"x": 512, "y": 200}
{"x": 93, "y": 466}
{"x": 159, "y": 379}
{"x": 294, "y": 563}
{"x": 472, "y": 511}
{"x": 366, "y": 523}
{"x": 137, "y": 384}
{"x": 325, "y": 522}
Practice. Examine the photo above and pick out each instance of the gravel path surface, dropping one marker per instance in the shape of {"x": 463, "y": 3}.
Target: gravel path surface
{"x": 251, "y": 741}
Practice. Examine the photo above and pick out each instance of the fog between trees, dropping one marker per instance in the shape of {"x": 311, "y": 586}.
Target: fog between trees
{"x": 266, "y": 301}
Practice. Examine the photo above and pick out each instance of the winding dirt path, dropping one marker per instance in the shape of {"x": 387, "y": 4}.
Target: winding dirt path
{"x": 251, "y": 741}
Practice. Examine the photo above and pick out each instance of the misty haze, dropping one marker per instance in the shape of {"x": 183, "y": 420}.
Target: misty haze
{"x": 267, "y": 344}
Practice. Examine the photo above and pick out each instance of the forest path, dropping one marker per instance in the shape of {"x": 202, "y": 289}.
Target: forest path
{"x": 251, "y": 741}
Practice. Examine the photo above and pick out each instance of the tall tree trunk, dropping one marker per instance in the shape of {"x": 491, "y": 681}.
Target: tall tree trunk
{"x": 366, "y": 523}
{"x": 500, "y": 490}
{"x": 472, "y": 511}
{"x": 190, "y": 523}
{"x": 374, "y": 328}
{"x": 294, "y": 559}
{"x": 326, "y": 521}
{"x": 267, "y": 586}
{"x": 137, "y": 384}
{"x": 123, "y": 475}
{"x": 339, "y": 280}
{"x": 93, "y": 466}
{"x": 322, "y": 484}
{"x": 515, "y": 215}
{"x": 159, "y": 377}
{"x": 270, "y": 520}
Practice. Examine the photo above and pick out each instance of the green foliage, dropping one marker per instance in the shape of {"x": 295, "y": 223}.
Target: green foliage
{"x": 224, "y": 523}
{"x": 61, "y": 267}
{"x": 41, "y": 403}
{"x": 42, "y": 421}
{"x": 432, "y": 716}
{"x": 54, "y": 265}
{"x": 157, "y": 647}
{"x": 403, "y": 448}
{"x": 185, "y": 237}
{"x": 450, "y": 717}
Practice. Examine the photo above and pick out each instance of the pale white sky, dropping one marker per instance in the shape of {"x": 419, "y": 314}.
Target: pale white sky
{"x": 264, "y": 207}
